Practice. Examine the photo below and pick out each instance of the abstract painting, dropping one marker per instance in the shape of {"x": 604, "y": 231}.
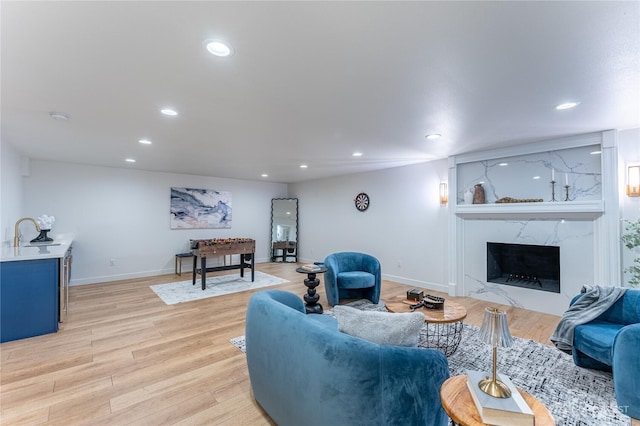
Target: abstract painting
{"x": 200, "y": 208}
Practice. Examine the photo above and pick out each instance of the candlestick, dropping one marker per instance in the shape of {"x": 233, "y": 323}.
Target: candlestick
{"x": 566, "y": 193}
{"x": 553, "y": 190}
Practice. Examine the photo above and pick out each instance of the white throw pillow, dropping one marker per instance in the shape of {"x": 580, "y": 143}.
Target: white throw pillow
{"x": 380, "y": 327}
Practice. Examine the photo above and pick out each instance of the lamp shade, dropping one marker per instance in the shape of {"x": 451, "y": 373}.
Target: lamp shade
{"x": 495, "y": 329}
{"x": 633, "y": 181}
{"x": 444, "y": 193}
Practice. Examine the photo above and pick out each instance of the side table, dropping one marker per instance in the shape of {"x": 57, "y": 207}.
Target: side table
{"x": 457, "y": 403}
{"x": 179, "y": 258}
{"x": 311, "y": 298}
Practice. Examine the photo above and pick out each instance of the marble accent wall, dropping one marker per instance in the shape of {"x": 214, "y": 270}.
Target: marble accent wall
{"x": 529, "y": 176}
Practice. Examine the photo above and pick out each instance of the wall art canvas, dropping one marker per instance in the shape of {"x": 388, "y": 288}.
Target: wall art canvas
{"x": 200, "y": 208}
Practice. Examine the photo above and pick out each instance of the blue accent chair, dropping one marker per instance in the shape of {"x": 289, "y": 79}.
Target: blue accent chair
{"x": 303, "y": 371}
{"x": 611, "y": 342}
{"x": 352, "y": 275}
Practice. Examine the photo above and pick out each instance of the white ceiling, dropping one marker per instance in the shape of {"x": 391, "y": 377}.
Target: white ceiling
{"x": 310, "y": 82}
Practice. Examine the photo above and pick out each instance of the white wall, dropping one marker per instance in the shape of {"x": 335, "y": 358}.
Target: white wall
{"x": 405, "y": 226}
{"x": 123, "y": 214}
{"x": 629, "y": 153}
{"x": 10, "y": 191}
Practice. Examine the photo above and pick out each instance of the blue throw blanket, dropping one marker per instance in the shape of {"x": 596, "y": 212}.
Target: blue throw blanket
{"x": 594, "y": 302}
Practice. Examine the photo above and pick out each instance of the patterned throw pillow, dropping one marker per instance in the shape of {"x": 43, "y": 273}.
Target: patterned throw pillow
{"x": 380, "y": 327}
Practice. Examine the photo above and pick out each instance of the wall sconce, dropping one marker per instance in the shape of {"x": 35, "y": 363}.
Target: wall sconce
{"x": 444, "y": 193}
{"x": 633, "y": 181}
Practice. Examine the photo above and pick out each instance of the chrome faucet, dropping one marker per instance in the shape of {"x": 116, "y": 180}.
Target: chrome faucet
{"x": 16, "y": 235}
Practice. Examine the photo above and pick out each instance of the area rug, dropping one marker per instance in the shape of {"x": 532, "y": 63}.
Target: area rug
{"x": 575, "y": 396}
{"x": 184, "y": 291}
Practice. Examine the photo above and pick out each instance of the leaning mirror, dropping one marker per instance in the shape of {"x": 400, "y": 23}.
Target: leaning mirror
{"x": 284, "y": 229}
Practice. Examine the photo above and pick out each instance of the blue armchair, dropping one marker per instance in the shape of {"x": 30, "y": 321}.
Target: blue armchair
{"x": 352, "y": 275}
{"x": 611, "y": 342}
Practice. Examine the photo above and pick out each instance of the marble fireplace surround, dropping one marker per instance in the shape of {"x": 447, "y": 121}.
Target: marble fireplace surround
{"x": 587, "y": 228}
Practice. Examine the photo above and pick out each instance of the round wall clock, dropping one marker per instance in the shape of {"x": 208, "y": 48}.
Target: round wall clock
{"x": 362, "y": 201}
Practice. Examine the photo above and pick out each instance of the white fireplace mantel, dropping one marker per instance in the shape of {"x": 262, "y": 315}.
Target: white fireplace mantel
{"x": 542, "y": 210}
{"x": 588, "y": 229}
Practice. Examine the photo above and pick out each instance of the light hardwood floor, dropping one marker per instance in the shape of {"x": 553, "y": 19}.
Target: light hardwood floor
{"x": 124, "y": 357}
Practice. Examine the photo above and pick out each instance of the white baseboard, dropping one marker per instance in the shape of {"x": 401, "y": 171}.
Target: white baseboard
{"x": 141, "y": 274}
{"x": 417, "y": 283}
{"x": 118, "y": 277}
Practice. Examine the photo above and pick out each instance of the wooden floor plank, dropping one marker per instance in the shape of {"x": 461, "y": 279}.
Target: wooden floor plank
{"x": 25, "y": 416}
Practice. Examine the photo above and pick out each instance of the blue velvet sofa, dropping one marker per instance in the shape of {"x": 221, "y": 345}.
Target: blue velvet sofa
{"x": 352, "y": 275}
{"x": 611, "y": 342}
{"x": 303, "y": 371}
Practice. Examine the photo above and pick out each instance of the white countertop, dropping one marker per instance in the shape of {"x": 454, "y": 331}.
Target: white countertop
{"x": 27, "y": 251}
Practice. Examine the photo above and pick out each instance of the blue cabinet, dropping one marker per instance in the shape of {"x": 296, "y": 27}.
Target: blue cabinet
{"x": 28, "y": 298}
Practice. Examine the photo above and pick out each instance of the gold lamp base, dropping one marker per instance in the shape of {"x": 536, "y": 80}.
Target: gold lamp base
{"x": 494, "y": 387}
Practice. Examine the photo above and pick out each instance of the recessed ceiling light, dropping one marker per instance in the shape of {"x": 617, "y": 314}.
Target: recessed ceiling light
{"x": 130, "y": 160}
{"x": 169, "y": 111}
{"x": 568, "y": 105}
{"x": 60, "y": 116}
{"x": 303, "y": 166}
{"x": 596, "y": 152}
{"x": 503, "y": 164}
{"x": 536, "y": 177}
{"x": 434, "y": 136}
{"x": 264, "y": 175}
{"x": 218, "y": 48}
{"x": 357, "y": 154}
{"x": 145, "y": 141}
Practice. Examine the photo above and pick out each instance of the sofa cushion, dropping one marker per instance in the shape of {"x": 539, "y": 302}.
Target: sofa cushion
{"x": 356, "y": 279}
{"x": 595, "y": 339}
{"x": 385, "y": 328}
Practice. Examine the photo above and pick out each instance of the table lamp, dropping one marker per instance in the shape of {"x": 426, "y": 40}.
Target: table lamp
{"x": 495, "y": 332}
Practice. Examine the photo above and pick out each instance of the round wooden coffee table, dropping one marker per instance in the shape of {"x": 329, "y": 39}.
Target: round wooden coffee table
{"x": 444, "y": 327}
{"x": 457, "y": 403}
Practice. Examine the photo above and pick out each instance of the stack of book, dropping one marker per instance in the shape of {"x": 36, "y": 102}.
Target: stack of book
{"x": 512, "y": 411}
{"x": 311, "y": 267}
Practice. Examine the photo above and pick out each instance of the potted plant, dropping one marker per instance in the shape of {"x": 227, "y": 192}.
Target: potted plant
{"x": 632, "y": 240}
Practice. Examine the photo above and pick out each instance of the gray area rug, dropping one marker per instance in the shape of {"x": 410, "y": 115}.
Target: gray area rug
{"x": 184, "y": 291}
{"x": 575, "y": 396}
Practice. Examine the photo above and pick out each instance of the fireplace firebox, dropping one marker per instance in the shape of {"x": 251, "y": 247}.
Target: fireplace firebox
{"x": 523, "y": 265}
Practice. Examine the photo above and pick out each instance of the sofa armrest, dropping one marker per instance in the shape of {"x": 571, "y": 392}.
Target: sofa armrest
{"x": 286, "y": 298}
{"x": 331, "y": 279}
{"x": 413, "y": 377}
{"x": 626, "y": 370}
{"x": 575, "y": 298}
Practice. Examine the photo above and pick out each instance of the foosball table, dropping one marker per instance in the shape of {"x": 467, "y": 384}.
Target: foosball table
{"x": 216, "y": 247}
